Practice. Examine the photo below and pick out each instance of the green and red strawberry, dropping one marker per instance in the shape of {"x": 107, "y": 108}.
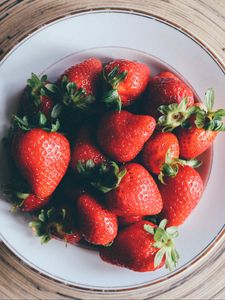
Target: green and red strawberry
{"x": 37, "y": 97}
{"x": 79, "y": 84}
{"x": 143, "y": 247}
{"x": 165, "y": 90}
{"x": 124, "y": 82}
{"x": 56, "y": 223}
{"x": 85, "y": 148}
{"x": 136, "y": 195}
{"x": 156, "y": 148}
{"x": 180, "y": 194}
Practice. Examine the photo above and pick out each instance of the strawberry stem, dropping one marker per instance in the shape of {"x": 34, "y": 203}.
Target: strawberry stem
{"x": 104, "y": 177}
{"x": 171, "y": 166}
{"x": 111, "y": 97}
{"x": 164, "y": 241}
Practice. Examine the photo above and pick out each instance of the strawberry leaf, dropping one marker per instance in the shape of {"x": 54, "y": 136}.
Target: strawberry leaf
{"x": 104, "y": 177}
{"x": 164, "y": 241}
{"x": 175, "y": 115}
{"x": 74, "y": 97}
{"x": 209, "y": 99}
{"x": 159, "y": 256}
{"x": 171, "y": 166}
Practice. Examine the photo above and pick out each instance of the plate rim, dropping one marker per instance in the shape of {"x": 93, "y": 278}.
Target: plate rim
{"x": 221, "y": 234}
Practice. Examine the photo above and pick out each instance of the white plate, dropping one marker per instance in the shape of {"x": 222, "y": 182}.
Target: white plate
{"x": 109, "y": 34}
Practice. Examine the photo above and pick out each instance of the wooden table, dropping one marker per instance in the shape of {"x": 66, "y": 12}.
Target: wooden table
{"x": 203, "y": 18}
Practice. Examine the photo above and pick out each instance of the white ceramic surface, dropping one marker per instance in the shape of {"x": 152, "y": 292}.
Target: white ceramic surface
{"x": 110, "y": 34}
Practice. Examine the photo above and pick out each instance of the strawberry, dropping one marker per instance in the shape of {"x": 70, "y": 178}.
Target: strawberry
{"x": 202, "y": 129}
{"x": 37, "y": 97}
{"x": 124, "y": 221}
{"x": 97, "y": 224}
{"x": 79, "y": 84}
{"x": 199, "y": 124}
{"x": 85, "y": 149}
{"x": 55, "y": 223}
{"x": 43, "y": 158}
{"x": 155, "y": 149}
{"x": 122, "y": 134}
{"x": 30, "y": 202}
{"x": 165, "y": 91}
{"x": 136, "y": 195}
{"x": 180, "y": 195}
{"x": 125, "y": 81}
{"x": 143, "y": 247}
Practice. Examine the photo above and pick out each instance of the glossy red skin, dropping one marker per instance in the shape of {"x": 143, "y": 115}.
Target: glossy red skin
{"x": 137, "y": 194}
{"x": 133, "y": 249}
{"x": 32, "y": 203}
{"x": 135, "y": 83}
{"x": 42, "y": 159}
{"x": 97, "y": 224}
{"x": 29, "y": 108}
{"x": 86, "y": 75}
{"x": 194, "y": 141}
{"x": 155, "y": 149}
{"x": 72, "y": 238}
{"x": 168, "y": 74}
{"x": 124, "y": 221}
{"x": 84, "y": 149}
{"x": 122, "y": 134}
{"x": 180, "y": 195}
{"x": 164, "y": 91}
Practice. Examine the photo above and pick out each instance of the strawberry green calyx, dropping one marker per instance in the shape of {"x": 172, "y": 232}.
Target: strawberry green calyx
{"x": 39, "y": 122}
{"x": 104, "y": 177}
{"x": 111, "y": 97}
{"x": 38, "y": 87}
{"x": 49, "y": 223}
{"x": 171, "y": 166}
{"x": 164, "y": 241}
{"x": 208, "y": 119}
{"x": 175, "y": 115}
{"x": 73, "y": 96}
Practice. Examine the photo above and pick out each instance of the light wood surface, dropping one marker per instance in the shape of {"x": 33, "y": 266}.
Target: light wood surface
{"x": 203, "y": 18}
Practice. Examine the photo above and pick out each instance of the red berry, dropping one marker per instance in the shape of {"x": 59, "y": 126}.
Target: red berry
{"x": 42, "y": 158}
{"x": 155, "y": 149}
{"x": 180, "y": 195}
{"x": 97, "y": 224}
{"x": 122, "y": 134}
{"x": 137, "y": 194}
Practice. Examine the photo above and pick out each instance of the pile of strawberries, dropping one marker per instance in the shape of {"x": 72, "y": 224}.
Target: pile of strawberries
{"x": 106, "y": 156}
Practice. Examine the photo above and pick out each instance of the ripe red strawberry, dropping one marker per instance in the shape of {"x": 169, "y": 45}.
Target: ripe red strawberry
{"x": 143, "y": 247}
{"x": 122, "y": 134}
{"x": 165, "y": 91}
{"x": 125, "y": 82}
{"x": 195, "y": 141}
{"x": 79, "y": 84}
{"x": 85, "y": 149}
{"x": 136, "y": 195}
{"x": 124, "y": 221}
{"x": 156, "y": 148}
{"x": 56, "y": 223}
{"x": 30, "y": 202}
{"x": 199, "y": 124}
{"x": 42, "y": 159}
{"x": 37, "y": 97}
{"x": 97, "y": 224}
{"x": 180, "y": 195}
